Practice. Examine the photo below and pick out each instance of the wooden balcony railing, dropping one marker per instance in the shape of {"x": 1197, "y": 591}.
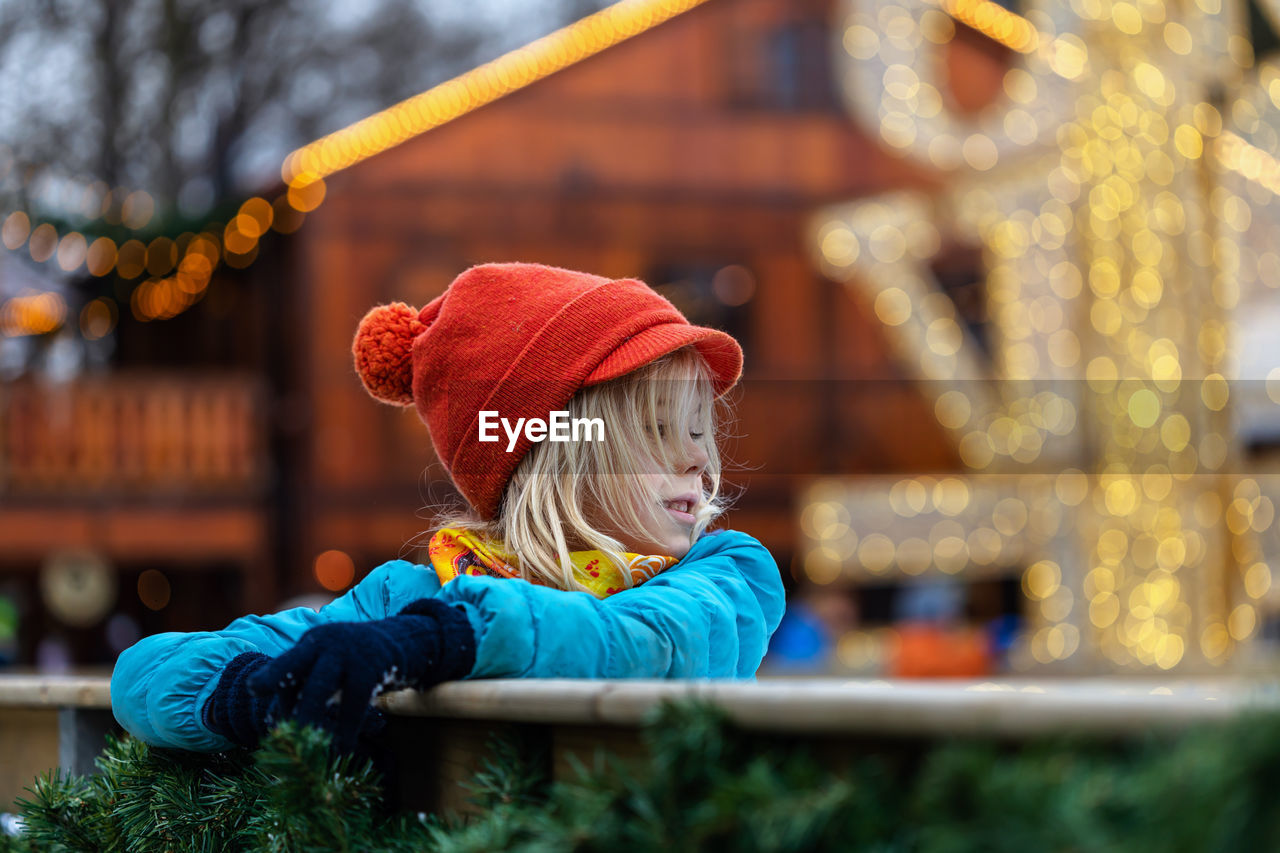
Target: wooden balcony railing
{"x": 132, "y": 433}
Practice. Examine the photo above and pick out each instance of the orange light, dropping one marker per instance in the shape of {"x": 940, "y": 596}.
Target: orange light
{"x": 255, "y": 217}
{"x": 162, "y": 254}
{"x": 101, "y": 257}
{"x": 71, "y": 251}
{"x": 140, "y": 304}
{"x": 163, "y": 298}
{"x": 156, "y": 296}
{"x": 194, "y": 273}
{"x": 132, "y": 260}
{"x": 995, "y": 22}
{"x": 206, "y": 245}
{"x": 17, "y": 227}
{"x": 98, "y": 318}
{"x": 306, "y": 195}
{"x": 240, "y": 261}
{"x": 43, "y": 242}
{"x": 335, "y": 570}
{"x": 236, "y": 241}
{"x": 154, "y": 590}
{"x": 32, "y": 313}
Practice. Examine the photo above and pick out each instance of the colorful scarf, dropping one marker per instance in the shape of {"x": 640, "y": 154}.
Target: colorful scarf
{"x": 455, "y": 552}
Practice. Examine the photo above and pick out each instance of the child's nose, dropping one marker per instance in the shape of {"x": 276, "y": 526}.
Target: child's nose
{"x": 696, "y": 458}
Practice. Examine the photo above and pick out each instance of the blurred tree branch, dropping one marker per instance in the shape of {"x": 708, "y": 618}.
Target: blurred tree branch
{"x": 198, "y": 101}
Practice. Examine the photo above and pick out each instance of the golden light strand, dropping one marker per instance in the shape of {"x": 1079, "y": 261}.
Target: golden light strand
{"x": 995, "y": 22}
{"x": 457, "y": 97}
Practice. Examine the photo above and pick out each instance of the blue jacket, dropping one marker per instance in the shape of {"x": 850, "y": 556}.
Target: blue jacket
{"x": 709, "y": 616}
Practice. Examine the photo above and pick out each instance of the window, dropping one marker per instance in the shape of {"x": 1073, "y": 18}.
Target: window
{"x": 786, "y": 67}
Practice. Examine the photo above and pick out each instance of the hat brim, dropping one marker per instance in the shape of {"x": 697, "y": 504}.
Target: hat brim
{"x": 721, "y": 352}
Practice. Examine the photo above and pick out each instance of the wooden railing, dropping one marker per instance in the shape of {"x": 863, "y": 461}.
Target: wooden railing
{"x": 131, "y": 433}
{"x": 48, "y": 721}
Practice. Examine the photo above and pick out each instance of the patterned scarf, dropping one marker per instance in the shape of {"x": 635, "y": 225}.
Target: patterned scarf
{"x": 457, "y": 552}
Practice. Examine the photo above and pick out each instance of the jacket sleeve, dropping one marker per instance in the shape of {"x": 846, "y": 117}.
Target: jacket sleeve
{"x": 161, "y": 683}
{"x": 709, "y": 616}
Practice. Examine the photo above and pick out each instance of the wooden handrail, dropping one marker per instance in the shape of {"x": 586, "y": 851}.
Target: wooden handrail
{"x": 54, "y": 691}
{"x": 833, "y": 706}
{"x": 926, "y": 708}
{"x": 67, "y": 718}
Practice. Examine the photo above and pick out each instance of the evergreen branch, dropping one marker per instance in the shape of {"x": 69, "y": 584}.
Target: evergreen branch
{"x": 701, "y": 785}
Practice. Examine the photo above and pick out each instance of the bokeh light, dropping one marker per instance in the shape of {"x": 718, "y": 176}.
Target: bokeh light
{"x": 334, "y": 570}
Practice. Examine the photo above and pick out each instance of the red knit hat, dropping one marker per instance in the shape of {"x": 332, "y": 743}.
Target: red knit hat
{"x": 519, "y": 339}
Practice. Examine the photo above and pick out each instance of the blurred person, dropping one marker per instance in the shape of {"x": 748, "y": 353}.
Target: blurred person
{"x": 587, "y": 558}
{"x": 930, "y": 641}
{"x": 806, "y": 641}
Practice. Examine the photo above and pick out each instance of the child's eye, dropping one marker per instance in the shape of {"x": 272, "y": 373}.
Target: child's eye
{"x": 662, "y": 433}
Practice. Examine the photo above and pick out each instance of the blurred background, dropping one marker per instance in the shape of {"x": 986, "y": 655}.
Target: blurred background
{"x": 1005, "y": 275}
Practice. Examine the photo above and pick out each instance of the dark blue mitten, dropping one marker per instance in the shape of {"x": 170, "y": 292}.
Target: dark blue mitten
{"x": 341, "y": 666}
{"x": 233, "y": 710}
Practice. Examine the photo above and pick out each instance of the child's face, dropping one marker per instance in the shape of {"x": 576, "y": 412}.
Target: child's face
{"x": 668, "y": 522}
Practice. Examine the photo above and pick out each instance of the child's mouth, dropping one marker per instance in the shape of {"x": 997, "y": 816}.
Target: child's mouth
{"x": 681, "y": 509}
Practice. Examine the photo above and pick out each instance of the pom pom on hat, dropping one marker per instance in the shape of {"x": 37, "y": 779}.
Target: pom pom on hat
{"x": 383, "y": 351}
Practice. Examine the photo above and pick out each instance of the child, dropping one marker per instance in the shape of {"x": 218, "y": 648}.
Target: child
{"x": 618, "y": 515}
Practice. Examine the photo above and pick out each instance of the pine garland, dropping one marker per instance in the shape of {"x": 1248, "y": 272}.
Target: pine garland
{"x": 703, "y": 785}
{"x": 290, "y": 795}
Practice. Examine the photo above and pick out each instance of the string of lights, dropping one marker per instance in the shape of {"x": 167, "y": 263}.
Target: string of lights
{"x": 995, "y": 22}
{"x": 1112, "y": 278}
{"x": 175, "y": 273}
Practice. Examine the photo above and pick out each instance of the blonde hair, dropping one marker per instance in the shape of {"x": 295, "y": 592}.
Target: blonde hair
{"x": 561, "y": 491}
